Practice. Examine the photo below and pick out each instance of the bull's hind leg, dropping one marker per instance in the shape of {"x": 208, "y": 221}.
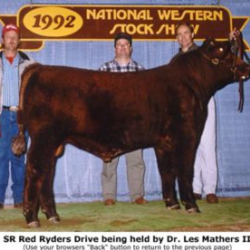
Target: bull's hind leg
{"x": 168, "y": 174}
{"x": 39, "y": 180}
{"x": 47, "y": 200}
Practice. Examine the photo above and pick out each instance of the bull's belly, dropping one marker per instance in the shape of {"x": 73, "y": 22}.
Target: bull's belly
{"x": 110, "y": 149}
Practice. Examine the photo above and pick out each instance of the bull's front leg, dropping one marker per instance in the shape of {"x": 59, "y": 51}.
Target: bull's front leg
{"x": 168, "y": 173}
{"x": 186, "y": 155}
{"x": 186, "y": 192}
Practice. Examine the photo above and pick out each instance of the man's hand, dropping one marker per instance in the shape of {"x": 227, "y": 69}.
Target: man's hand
{"x": 233, "y": 34}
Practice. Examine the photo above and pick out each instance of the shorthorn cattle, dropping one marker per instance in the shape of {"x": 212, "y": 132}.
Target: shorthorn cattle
{"x": 109, "y": 114}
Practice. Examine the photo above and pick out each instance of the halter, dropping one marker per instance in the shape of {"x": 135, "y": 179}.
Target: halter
{"x": 237, "y": 47}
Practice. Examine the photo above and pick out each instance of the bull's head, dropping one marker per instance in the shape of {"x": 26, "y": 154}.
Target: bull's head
{"x": 226, "y": 52}
{"x": 230, "y": 53}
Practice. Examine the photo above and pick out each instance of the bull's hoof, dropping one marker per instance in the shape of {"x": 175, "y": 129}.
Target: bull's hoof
{"x": 171, "y": 204}
{"x": 54, "y": 219}
{"x": 193, "y": 210}
{"x": 34, "y": 224}
{"x": 191, "y": 207}
{"x": 174, "y": 207}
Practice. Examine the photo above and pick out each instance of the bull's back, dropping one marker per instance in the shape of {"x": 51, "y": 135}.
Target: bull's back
{"x": 130, "y": 106}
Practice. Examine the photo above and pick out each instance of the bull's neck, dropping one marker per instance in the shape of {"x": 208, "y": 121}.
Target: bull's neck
{"x": 209, "y": 77}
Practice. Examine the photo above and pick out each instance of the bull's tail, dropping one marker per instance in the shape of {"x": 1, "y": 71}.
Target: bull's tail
{"x": 19, "y": 144}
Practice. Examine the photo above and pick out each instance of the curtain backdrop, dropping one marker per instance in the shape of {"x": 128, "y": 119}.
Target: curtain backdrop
{"x": 78, "y": 173}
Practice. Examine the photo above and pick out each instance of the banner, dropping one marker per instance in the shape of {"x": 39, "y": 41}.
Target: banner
{"x": 40, "y": 23}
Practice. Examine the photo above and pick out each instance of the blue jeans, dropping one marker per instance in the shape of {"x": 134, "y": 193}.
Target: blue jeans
{"x": 8, "y": 161}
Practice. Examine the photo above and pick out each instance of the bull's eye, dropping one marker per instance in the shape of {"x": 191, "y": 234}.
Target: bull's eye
{"x": 221, "y": 49}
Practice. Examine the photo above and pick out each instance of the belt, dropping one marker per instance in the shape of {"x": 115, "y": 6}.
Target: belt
{"x": 11, "y": 108}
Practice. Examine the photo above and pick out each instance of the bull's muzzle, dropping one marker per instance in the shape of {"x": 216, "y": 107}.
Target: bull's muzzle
{"x": 241, "y": 73}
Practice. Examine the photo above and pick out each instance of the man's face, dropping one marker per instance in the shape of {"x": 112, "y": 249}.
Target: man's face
{"x": 123, "y": 48}
{"x": 10, "y": 40}
{"x": 184, "y": 37}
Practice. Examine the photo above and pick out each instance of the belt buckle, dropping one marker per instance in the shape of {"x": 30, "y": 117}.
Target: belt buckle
{"x": 14, "y": 108}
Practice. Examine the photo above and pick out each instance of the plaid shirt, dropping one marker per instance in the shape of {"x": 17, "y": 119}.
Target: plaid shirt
{"x": 113, "y": 66}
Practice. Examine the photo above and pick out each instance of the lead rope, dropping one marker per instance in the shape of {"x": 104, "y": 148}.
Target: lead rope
{"x": 246, "y": 56}
{"x": 241, "y": 86}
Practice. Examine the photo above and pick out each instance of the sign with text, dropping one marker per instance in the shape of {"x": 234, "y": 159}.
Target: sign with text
{"x": 39, "y": 23}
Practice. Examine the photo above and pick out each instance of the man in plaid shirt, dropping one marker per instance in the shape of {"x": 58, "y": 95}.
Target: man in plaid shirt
{"x": 114, "y": 66}
{"x": 135, "y": 164}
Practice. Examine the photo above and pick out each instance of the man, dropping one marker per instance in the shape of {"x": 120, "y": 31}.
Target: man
{"x": 12, "y": 64}
{"x": 135, "y": 165}
{"x": 205, "y": 166}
